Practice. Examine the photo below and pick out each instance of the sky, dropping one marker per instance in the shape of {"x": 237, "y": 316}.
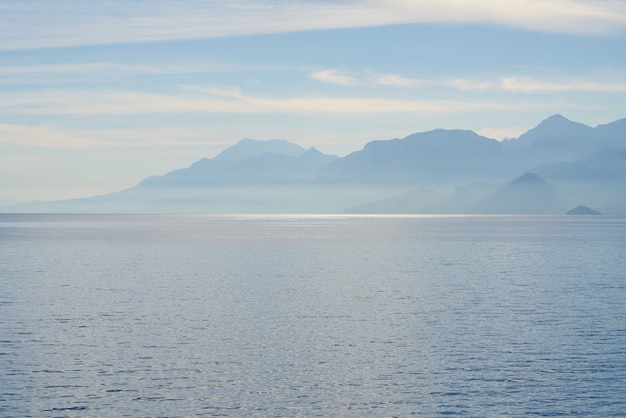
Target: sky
{"x": 96, "y": 96}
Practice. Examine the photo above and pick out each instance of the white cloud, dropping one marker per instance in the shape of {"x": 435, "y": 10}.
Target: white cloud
{"x": 463, "y": 84}
{"x": 72, "y": 69}
{"x": 333, "y": 76}
{"x": 21, "y": 74}
{"x": 211, "y": 100}
{"x": 152, "y": 137}
{"x": 514, "y": 84}
{"x": 393, "y": 80}
{"x": 42, "y": 137}
{"x": 202, "y": 99}
{"x": 569, "y": 16}
{"x": 41, "y": 23}
{"x": 530, "y": 85}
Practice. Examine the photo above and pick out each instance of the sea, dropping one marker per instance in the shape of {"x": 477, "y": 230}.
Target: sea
{"x": 312, "y": 316}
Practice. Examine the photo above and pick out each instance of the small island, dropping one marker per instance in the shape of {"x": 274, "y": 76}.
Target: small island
{"x": 583, "y": 210}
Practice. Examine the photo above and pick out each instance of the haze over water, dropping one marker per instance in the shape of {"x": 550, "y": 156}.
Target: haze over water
{"x": 135, "y": 315}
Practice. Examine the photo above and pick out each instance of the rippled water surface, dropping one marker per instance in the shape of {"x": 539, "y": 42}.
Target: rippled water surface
{"x": 133, "y": 315}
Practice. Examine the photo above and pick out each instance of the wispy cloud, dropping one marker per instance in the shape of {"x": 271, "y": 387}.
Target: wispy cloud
{"x": 510, "y": 84}
{"x": 533, "y": 85}
{"x": 43, "y": 137}
{"x": 463, "y": 84}
{"x": 201, "y": 99}
{"x": 72, "y": 69}
{"x": 152, "y": 136}
{"x": 48, "y": 137}
{"x": 393, "y": 80}
{"x": 211, "y": 100}
{"x": 568, "y": 16}
{"x": 42, "y": 74}
{"x": 41, "y": 23}
{"x": 333, "y": 76}
{"x": 99, "y": 71}
{"x": 530, "y": 85}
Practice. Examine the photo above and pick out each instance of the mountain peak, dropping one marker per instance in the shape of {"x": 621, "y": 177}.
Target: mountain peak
{"x": 527, "y": 194}
{"x": 247, "y": 148}
{"x": 528, "y": 179}
{"x": 557, "y": 117}
{"x": 313, "y": 152}
{"x": 556, "y": 126}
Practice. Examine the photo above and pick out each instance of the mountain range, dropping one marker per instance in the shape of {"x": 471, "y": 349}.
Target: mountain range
{"x": 552, "y": 168}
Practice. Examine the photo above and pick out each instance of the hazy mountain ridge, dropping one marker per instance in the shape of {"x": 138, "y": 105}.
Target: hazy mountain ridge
{"x": 440, "y": 171}
{"x": 434, "y": 157}
{"x": 554, "y": 127}
{"x": 559, "y": 139}
{"x": 250, "y": 165}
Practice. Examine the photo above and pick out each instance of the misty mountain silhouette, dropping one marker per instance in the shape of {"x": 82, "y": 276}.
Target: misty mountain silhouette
{"x": 430, "y": 158}
{"x": 555, "y": 165}
{"x": 557, "y": 138}
{"x": 553, "y": 128}
{"x": 249, "y": 162}
{"x": 528, "y": 194}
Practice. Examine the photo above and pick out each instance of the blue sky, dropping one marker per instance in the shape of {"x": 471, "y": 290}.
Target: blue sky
{"x": 96, "y": 96}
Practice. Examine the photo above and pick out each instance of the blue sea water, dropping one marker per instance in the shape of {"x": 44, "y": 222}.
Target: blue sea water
{"x": 281, "y": 316}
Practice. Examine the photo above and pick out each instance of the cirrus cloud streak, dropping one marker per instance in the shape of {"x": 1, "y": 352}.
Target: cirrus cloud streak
{"x": 207, "y": 100}
{"x": 44, "y": 137}
{"x": 44, "y": 24}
